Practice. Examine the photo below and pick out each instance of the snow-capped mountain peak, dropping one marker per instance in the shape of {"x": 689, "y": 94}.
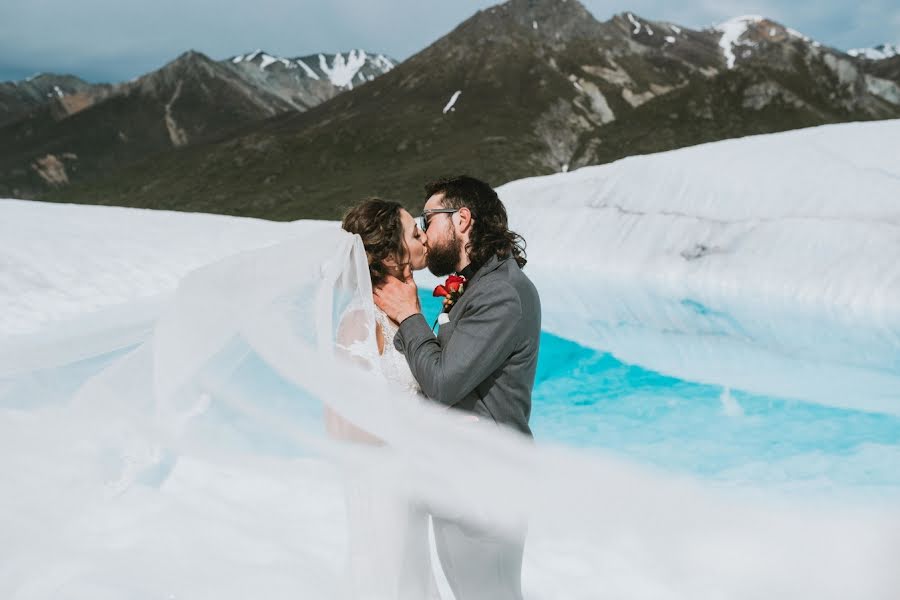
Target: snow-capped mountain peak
{"x": 264, "y": 59}
{"x": 341, "y": 70}
{"x": 740, "y": 35}
{"x": 879, "y": 52}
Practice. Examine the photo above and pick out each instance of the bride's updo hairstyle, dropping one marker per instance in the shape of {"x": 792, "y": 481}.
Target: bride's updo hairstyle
{"x": 378, "y": 223}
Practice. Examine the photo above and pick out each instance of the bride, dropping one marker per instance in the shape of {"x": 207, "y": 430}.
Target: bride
{"x": 389, "y": 551}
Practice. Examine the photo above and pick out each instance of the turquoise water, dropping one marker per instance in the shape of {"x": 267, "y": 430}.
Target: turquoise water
{"x": 588, "y": 398}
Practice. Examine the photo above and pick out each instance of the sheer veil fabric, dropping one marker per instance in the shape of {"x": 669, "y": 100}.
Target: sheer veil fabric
{"x": 200, "y": 463}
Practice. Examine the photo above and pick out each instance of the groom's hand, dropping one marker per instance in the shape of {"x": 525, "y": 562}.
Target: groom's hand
{"x": 399, "y": 299}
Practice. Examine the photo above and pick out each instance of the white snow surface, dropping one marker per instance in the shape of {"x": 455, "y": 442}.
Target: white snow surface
{"x": 63, "y": 260}
{"x": 732, "y": 30}
{"x": 809, "y": 215}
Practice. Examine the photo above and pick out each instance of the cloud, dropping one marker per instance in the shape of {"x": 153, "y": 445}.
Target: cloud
{"x": 114, "y": 40}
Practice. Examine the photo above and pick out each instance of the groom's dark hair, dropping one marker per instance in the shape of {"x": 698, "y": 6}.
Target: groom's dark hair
{"x": 490, "y": 235}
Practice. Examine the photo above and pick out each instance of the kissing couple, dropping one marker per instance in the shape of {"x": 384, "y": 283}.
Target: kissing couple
{"x": 482, "y": 362}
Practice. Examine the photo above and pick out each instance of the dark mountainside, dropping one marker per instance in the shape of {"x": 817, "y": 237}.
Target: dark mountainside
{"x": 78, "y": 133}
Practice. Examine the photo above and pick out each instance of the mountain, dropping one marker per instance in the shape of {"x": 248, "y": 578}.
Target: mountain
{"x": 308, "y": 81}
{"x": 61, "y": 95}
{"x": 77, "y": 132}
{"x": 881, "y": 61}
{"x": 880, "y": 52}
{"x": 525, "y": 88}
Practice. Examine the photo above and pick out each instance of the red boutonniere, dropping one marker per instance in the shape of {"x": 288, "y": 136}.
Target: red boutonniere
{"x": 451, "y": 290}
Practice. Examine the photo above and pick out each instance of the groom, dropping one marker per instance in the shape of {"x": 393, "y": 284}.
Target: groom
{"x": 482, "y": 361}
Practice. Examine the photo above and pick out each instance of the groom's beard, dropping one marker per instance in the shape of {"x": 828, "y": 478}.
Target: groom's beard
{"x": 442, "y": 260}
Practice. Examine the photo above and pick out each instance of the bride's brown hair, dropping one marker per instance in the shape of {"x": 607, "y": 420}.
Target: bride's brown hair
{"x": 379, "y": 225}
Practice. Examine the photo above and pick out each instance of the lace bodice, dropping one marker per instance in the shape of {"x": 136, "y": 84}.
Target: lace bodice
{"x": 392, "y": 363}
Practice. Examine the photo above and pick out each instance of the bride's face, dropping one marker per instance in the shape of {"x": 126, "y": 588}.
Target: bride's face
{"x": 416, "y": 242}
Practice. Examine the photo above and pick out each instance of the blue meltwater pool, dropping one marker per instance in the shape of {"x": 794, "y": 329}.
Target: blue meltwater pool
{"x": 717, "y": 429}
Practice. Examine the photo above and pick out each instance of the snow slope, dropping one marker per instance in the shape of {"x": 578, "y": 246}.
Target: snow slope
{"x": 809, "y": 216}
{"x": 61, "y": 261}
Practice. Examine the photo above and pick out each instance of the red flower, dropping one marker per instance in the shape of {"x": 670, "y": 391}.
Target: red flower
{"x": 455, "y": 282}
{"x": 451, "y": 290}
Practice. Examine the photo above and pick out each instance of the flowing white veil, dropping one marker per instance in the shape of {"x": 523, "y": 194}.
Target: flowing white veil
{"x": 198, "y": 465}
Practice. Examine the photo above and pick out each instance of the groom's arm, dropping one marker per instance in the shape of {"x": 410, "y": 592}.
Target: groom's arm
{"x": 484, "y": 337}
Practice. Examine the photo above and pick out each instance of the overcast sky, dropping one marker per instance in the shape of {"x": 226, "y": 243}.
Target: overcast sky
{"x": 115, "y": 40}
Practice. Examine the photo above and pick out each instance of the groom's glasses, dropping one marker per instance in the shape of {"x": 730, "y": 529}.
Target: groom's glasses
{"x": 423, "y": 221}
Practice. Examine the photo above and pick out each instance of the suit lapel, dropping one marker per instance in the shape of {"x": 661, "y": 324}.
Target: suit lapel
{"x": 445, "y": 330}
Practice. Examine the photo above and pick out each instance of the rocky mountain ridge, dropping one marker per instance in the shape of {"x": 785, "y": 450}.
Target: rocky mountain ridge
{"x": 78, "y": 131}
{"x": 527, "y": 87}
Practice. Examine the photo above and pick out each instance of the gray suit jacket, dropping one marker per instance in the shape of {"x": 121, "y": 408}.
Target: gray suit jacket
{"x": 484, "y": 359}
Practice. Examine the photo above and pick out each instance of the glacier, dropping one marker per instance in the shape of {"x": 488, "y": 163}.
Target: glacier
{"x": 714, "y": 258}
{"x": 767, "y": 264}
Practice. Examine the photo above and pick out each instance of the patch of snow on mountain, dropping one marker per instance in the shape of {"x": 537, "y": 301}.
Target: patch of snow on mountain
{"x": 670, "y": 39}
{"x": 309, "y": 72}
{"x": 268, "y": 59}
{"x": 732, "y": 30}
{"x": 635, "y": 22}
{"x": 877, "y": 53}
{"x": 342, "y": 70}
{"x": 452, "y": 101}
{"x": 797, "y": 34}
{"x": 384, "y": 63}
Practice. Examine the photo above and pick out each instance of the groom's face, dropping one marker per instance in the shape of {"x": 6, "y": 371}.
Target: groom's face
{"x": 444, "y": 244}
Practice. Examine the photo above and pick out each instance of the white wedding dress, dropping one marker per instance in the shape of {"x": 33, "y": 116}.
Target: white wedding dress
{"x": 389, "y": 550}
